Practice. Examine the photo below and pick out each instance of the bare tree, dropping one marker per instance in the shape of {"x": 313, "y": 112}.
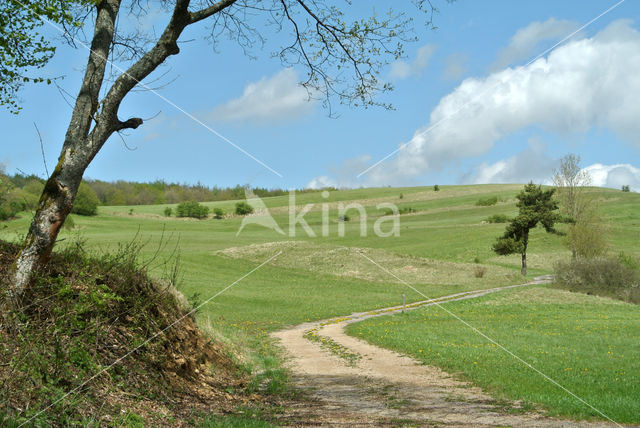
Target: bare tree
{"x": 342, "y": 58}
{"x": 585, "y": 234}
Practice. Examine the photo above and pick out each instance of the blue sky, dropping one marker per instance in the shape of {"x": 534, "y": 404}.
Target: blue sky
{"x": 469, "y": 107}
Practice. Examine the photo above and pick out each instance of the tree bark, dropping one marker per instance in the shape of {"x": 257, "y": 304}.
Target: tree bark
{"x": 77, "y": 152}
{"x": 525, "y": 243}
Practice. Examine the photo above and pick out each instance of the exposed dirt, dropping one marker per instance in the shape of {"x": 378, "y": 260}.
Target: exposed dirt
{"x": 384, "y": 388}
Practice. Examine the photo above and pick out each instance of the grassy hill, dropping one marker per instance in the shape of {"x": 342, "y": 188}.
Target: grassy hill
{"x": 444, "y": 239}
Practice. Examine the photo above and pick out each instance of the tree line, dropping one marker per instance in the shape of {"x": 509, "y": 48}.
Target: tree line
{"x": 21, "y": 192}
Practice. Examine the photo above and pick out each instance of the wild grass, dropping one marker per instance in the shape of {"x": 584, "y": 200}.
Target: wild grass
{"x": 440, "y": 246}
{"x": 589, "y": 345}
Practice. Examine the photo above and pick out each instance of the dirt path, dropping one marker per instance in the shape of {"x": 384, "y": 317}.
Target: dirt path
{"x": 378, "y": 387}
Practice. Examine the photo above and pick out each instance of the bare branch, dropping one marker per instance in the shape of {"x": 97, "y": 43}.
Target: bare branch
{"x": 211, "y": 10}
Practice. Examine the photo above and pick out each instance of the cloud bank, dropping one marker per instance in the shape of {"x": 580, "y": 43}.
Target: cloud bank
{"x": 276, "y": 98}
{"x": 584, "y": 84}
{"x": 532, "y": 164}
{"x": 615, "y": 176}
{"x": 525, "y": 42}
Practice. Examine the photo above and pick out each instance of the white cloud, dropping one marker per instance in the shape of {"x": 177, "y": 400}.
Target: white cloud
{"x": 321, "y": 182}
{"x": 524, "y": 42}
{"x": 584, "y": 84}
{"x": 615, "y": 176}
{"x": 455, "y": 66}
{"x": 342, "y": 176}
{"x": 402, "y": 69}
{"x": 532, "y": 164}
{"x": 274, "y": 98}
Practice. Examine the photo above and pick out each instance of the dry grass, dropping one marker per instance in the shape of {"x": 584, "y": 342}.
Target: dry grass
{"x": 349, "y": 262}
{"x": 549, "y": 296}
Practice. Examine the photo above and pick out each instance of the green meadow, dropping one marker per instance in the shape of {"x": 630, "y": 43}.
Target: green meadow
{"x": 443, "y": 240}
{"x": 589, "y": 345}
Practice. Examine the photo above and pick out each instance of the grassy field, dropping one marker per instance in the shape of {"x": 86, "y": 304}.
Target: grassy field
{"x": 441, "y": 243}
{"x": 443, "y": 237}
{"x": 587, "y": 344}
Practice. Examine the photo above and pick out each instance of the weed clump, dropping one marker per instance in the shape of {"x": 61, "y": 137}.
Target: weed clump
{"x": 479, "y": 271}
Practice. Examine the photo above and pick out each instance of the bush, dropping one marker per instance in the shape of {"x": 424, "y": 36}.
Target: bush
{"x": 401, "y": 196}
{"x": 218, "y": 213}
{"x": 405, "y": 210}
{"x": 13, "y": 199}
{"x": 587, "y": 240}
{"x": 69, "y": 223}
{"x": 626, "y": 188}
{"x": 479, "y": 271}
{"x": 487, "y": 202}
{"x": 12, "y": 202}
{"x": 498, "y": 218}
{"x": 192, "y": 209}
{"x": 436, "y": 188}
{"x": 344, "y": 217}
{"x": 168, "y": 211}
{"x": 618, "y": 278}
{"x": 243, "y": 208}
{"x": 86, "y": 202}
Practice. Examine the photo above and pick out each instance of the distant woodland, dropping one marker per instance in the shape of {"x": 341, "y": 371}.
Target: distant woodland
{"x": 20, "y": 192}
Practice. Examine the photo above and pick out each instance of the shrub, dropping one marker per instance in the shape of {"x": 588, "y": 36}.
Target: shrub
{"x": 405, "y": 210}
{"x": 344, "y": 217}
{"x": 11, "y": 203}
{"x": 479, "y": 271}
{"x": 626, "y": 188}
{"x": 86, "y": 202}
{"x": 587, "y": 240}
{"x": 192, "y": 209}
{"x": 436, "y": 188}
{"x": 487, "y": 202}
{"x": 218, "y": 213}
{"x": 167, "y": 211}
{"x": 243, "y": 208}
{"x": 498, "y": 218}
{"x": 69, "y": 223}
{"x": 618, "y": 278}
{"x": 401, "y": 196}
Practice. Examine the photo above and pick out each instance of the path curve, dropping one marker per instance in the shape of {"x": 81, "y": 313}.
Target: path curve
{"x": 384, "y": 388}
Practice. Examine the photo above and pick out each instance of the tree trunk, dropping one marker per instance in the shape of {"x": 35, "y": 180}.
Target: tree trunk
{"x": 82, "y": 142}
{"x": 525, "y": 243}
{"x": 77, "y": 152}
